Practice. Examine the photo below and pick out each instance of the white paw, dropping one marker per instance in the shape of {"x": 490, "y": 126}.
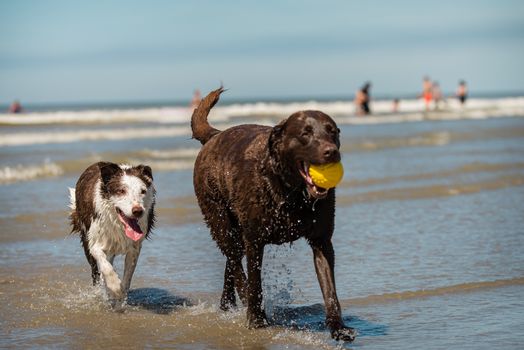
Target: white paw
{"x": 113, "y": 285}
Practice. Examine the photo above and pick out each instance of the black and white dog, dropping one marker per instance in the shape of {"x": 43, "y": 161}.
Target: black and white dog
{"x": 113, "y": 211}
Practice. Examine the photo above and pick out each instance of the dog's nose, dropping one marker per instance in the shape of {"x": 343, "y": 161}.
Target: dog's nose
{"x": 137, "y": 211}
{"x": 332, "y": 154}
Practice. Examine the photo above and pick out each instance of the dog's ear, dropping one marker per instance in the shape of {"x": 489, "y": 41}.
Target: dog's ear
{"x": 108, "y": 170}
{"x": 146, "y": 171}
{"x": 276, "y": 134}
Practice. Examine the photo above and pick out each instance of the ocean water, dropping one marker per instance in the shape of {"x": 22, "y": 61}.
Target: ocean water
{"x": 429, "y": 236}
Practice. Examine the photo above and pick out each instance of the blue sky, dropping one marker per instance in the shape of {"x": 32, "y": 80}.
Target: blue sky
{"x": 88, "y": 51}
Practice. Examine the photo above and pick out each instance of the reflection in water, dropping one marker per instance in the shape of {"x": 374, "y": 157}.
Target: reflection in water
{"x": 158, "y": 300}
{"x": 312, "y": 317}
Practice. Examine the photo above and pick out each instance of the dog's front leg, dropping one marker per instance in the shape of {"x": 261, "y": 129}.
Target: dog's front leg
{"x": 129, "y": 266}
{"x": 110, "y": 276}
{"x": 256, "y": 316}
{"x": 324, "y": 257}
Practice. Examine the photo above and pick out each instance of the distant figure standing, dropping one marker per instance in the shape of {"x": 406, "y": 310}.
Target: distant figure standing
{"x": 15, "y": 107}
{"x": 362, "y": 98}
{"x": 427, "y": 91}
{"x": 437, "y": 94}
{"x": 394, "y": 107}
{"x": 197, "y": 97}
{"x": 462, "y": 92}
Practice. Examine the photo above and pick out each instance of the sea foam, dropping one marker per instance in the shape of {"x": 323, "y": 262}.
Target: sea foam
{"x": 474, "y": 108}
{"x": 175, "y": 121}
{"x": 19, "y": 173}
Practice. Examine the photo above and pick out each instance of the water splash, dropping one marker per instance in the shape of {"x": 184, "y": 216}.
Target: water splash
{"x": 278, "y": 286}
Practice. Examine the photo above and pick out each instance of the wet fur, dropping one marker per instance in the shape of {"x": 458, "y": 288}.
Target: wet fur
{"x": 251, "y": 194}
{"x": 94, "y": 217}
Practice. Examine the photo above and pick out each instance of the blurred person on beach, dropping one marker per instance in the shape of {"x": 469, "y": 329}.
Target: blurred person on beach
{"x": 462, "y": 92}
{"x": 197, "y": 97}
{"x": 395, "y": 105}
{"x": 427, "y": 93}
{"x": 15, "y": 107}
{"x": 437, "y": 94}
{"x": 362, "y": 98}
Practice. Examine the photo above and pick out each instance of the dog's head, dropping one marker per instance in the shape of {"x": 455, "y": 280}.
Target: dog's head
{"x": 130, "y": 191}
{"x": 305, "y": 138}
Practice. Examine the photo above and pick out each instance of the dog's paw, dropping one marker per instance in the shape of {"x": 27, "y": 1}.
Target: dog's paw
{"x": 117, "y": 305}
{"x": 116, "y": 295}
{"x": 344, "y": 334}
{"x": 113, "y": 284}
{"x": 259, "y": 321}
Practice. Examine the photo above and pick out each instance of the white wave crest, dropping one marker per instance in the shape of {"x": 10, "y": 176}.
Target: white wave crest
{"x": 31, "y": 138}
{"x": 29, "y": 172}
{"x": 223, "y": 117}
{"x": 172, "y": 153}
{"x": 474, "y": 108}
{"x": 166, "y": 165}
{"x": 100, "y": 116}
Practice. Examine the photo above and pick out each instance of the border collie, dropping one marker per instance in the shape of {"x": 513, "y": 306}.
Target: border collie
{"x": 113, "y": 211}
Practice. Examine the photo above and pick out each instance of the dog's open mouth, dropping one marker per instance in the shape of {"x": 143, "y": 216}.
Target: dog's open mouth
{"x": 131, "y": 227}
{"x": 313, "y": 190}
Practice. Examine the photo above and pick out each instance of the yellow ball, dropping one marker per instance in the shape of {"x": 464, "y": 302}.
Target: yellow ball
{"x": 327, "y": 175}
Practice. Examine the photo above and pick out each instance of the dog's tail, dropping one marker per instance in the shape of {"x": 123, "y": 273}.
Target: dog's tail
{"x": 200, "y": 127}
{"x": 72, "y": 199}
{"x": 73, "y": 216}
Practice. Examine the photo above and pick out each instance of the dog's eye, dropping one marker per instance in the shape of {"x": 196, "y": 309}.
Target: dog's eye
{"x": 308, "y": 130}
{"x": 121, "y": 191}
{"x": 143, "y": 191}
{"x": 332, "y": 130}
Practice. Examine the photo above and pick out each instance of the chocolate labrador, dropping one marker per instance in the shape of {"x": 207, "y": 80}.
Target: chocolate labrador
{"x": 253, "y": 187}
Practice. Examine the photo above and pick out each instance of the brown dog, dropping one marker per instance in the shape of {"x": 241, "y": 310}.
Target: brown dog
{"x": 253, "y": 188}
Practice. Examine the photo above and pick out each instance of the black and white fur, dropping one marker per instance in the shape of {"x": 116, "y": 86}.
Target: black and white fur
{"x": 109, "y": 203}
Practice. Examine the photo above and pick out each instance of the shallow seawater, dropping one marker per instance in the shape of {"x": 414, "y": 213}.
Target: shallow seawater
{"x": 429, "y": 245}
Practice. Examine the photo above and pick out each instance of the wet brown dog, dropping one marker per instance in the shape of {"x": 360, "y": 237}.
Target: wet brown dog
{"x": 253, "y": 188}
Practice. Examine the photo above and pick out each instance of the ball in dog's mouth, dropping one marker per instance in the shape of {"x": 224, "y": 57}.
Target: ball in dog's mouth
{"x": 131, "y": 227}
{"x": 314, "y": 191}
{"x": 326, "y": 175}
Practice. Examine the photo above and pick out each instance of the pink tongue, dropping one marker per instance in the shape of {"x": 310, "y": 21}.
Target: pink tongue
{"x": 132, "y": 229}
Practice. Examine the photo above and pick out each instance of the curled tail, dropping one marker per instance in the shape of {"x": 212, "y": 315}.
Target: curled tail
{"x": 72, "y": 198}
{"x": 73, "y": 215}
{"x": 200, "y": 127}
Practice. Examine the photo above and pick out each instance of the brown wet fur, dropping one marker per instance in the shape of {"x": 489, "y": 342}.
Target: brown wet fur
{"x": 251, "y": 193}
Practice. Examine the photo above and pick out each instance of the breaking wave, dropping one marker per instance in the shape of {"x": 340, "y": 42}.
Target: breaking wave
{"x": 344, "y": 111}
{"x": 32, "y": 138}
{"x": 171, "y": 153}
{"x": 9, "y": 174}
{"x": 100, "y": 116}
{"x": 176, "y": 120}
